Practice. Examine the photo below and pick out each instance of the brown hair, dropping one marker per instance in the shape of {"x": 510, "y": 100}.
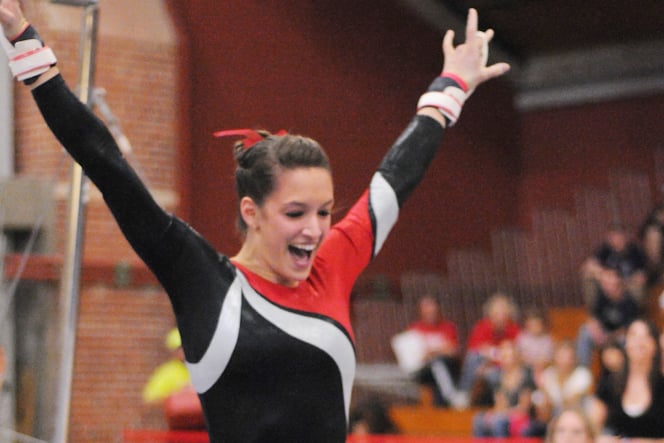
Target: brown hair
{"x": 655, "y": 369}
{"x": 259, "y": 165}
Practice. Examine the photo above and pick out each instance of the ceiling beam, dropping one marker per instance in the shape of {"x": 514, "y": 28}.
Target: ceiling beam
{"x": 591, "y": 75}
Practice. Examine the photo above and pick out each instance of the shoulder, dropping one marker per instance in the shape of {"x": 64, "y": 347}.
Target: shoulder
{"x": 513, "y": 329}
{"x": 482, "y": 323}
{"x": 448, "y": 325}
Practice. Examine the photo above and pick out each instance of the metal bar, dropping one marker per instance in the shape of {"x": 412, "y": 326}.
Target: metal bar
{"x": 17, "y": 436}
{"x": 69, "y": 300}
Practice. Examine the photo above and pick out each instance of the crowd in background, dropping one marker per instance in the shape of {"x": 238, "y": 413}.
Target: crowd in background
{"x": 607, "y": 384}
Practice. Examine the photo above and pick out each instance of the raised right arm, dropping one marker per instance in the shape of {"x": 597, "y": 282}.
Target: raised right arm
{"x": 84, "y": 135}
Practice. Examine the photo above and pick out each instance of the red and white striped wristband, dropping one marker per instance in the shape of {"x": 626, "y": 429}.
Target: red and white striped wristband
{"x": 30, "y": 58}
{"x": 448, "y": 101}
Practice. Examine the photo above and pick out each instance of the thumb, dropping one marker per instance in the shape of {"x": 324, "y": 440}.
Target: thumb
{"x": 495, "y": 70}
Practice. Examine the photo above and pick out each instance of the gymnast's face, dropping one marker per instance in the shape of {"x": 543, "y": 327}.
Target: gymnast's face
{"x": 287, "y": 230}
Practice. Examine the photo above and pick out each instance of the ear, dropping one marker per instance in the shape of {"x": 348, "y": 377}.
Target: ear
{"x": 249, "y": 211}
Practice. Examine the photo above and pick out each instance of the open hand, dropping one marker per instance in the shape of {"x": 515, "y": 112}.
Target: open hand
{"x": 468, "y": 60}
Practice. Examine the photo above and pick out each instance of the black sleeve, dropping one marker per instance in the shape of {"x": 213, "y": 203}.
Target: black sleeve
{"x": 405, "y": 163}
{"x": 90, "y": 143}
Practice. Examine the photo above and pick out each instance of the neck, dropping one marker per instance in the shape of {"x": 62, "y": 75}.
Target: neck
{"x": 247, "y": 258}
{"x": 565, "y": 371}
{"x": 640, "y": 367}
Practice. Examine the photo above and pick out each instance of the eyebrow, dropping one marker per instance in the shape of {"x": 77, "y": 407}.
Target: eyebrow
{"x": 300, "y": 204}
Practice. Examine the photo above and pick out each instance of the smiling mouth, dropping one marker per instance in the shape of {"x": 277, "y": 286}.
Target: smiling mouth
{"x": 301, "y": 252}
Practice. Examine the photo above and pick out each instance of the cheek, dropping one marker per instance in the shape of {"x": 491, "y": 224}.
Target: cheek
{"x": 326, "y": 227}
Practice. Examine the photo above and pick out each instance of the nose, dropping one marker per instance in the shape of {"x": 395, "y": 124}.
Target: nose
{"x": 314, "y": 227}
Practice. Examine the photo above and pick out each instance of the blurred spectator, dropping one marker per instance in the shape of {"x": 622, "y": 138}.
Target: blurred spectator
{"x": 511, "y": 386}
{"x": 651, "y": 235}
{"x": 439, "y": 352}
{"x": 498, "y": 324}
{"x": 611, "y": 310}
{"x": 564, "y": 384}
{"x": 611, "y": 361}
{"x": 169, "y": 387}
{"x": 570, "y": 426}
{"x": 631, "y": 405}
{"x": 617, "y": 252}
{"x": 534, "y": 342}
{"x": 369, "y": 418}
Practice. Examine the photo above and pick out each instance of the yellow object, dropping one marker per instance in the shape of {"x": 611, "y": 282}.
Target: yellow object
{"x": 173, "y": 339}
{"x": 168, "y": 378}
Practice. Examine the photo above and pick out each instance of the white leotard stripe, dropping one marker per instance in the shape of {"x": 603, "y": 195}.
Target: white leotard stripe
{"x": 385, "y": 207}
{"x": 206, "y": 372}
{"x": 317, "y": 332}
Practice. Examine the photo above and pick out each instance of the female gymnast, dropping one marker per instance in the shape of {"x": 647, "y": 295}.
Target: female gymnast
{"x": 266, "y": 332}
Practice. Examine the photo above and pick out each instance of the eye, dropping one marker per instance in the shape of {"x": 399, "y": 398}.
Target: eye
{"x": 294, "y": 214}
{"x": 324, "y": 213}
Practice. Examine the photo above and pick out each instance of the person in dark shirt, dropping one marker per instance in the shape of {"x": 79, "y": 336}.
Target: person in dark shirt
{"x": 630, "y": 405}
{"x": 610, "y": 311}
{"x": 621, "y": 253}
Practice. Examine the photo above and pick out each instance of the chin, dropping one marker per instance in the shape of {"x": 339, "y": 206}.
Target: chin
{"x": 299, "y": 276}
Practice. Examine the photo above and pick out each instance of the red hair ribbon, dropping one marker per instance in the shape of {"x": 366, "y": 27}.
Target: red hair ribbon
{"x": 251, "y": 136}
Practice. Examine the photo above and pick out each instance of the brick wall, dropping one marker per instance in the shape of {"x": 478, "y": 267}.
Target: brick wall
{"x": 120, "y": 330}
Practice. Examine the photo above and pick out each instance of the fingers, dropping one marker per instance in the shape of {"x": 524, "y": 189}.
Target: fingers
{"x": 448, "y": 39}
{"x": 483, "y": 47}
{"x": 471, "y": 25}
{"x": 495, "y": 70}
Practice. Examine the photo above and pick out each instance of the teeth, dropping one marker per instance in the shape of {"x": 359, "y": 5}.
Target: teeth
{"x": 307, "y": 248}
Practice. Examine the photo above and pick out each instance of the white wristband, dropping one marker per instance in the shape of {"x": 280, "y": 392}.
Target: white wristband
{"x": 449, "y": 102}
{"x": 29, "y": 59}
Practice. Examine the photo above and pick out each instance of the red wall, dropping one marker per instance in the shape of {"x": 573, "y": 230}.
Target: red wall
{"x": 566, "y": 148}
{"x": 348, "y": 74}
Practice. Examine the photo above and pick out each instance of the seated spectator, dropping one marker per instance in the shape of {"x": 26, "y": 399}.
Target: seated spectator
{"x": 498, "y": 324}
{"x": 620, "y": 253}
{"x": 611, "y": 310}
{"x": 511, "y": 385}
{"x": 570, "y": 426}
{"x": 611, "y": 360}
{"x": 438, "y": 354}
{"x": 564, "y": 384}
{"x": 371, "y": 417}
{"x": 651, "y": 235}
{"x": 170, "y": 388}
{"x": 631, "y": 405}
{"x": 534, "y": 342}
